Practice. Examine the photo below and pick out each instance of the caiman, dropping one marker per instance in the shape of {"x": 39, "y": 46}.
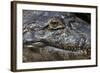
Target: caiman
{"x": 73, "y": 35}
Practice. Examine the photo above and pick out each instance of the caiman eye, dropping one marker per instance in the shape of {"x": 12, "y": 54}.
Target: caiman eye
{"x": 54, "y": 23}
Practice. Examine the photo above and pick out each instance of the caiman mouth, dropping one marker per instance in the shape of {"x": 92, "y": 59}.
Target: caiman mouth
{"x": 68, "y": 53}
{"x": 60, "y": 46}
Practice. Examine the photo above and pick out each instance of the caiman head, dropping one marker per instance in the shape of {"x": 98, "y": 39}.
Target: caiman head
{"x": 62, "y": 37}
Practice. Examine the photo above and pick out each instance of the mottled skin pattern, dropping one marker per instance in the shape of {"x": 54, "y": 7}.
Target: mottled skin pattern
{"x": 58, "y": 35}
{"x": 57, "y": 40}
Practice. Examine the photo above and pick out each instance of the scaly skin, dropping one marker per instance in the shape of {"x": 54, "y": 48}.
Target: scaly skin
{"x": 66, "y": 37}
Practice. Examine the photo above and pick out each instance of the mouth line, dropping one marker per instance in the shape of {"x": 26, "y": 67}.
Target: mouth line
{"x": 41, "y": 44}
